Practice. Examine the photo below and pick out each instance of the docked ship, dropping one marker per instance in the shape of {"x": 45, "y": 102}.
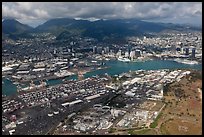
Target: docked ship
{"x": 185, "y": 61}
{"x": 63, "y": 73}
{"x": 32, "y": 87}
{"x": 123, "y": 59}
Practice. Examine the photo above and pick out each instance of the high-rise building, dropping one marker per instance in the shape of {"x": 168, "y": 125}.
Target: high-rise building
{"x": 187, "y": 51}
{"x": 55, "y": 51}
{"x": 132, "y": 55}
{"x": 106, "y": 50}
{"x": 126, "y": 54}
{"x": 173, "y": 49}
{"x": 94, "y": 49}
{"x": 99, "y": 50}
{"x": 119, "y": 54}
{"x": 193, "y": 53}
{"x": 102, "y": 52}
{"x": 182, "y": 50}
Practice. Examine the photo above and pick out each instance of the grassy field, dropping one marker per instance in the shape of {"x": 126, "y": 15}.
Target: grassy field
{"x": 143, "y": 132}
{"x": 183, "y": 113}
{"x": 155, "y": 123}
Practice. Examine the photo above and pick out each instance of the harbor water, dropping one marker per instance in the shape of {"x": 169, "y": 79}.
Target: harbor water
{"x": 114, "y": 68}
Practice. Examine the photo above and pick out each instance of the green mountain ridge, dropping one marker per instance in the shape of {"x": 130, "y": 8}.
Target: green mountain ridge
{"x": 100, "y": 29}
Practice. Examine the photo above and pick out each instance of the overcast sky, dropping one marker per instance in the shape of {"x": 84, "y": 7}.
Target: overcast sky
{"x": 35, "y": 13}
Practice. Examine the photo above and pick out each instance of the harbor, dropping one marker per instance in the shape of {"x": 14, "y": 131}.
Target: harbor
{"x": 9, "y": 88}
{"x": 185, "y": 61}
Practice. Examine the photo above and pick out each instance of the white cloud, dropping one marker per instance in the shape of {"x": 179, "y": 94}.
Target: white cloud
{"x": 42, "y": 11}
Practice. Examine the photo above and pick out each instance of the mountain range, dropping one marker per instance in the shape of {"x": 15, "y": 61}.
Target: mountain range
{"x": 13, "y": 29}
{"x": 63, "y": 28}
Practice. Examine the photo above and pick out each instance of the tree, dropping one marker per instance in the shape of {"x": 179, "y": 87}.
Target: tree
{"x": 111, "y": 130}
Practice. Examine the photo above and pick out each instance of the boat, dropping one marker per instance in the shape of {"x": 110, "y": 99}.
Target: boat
{"x": 16, "y": 83}
{"x": 185, "y": 61}
{"x": 123, "y": 59}
{"x": 63, "y": 73}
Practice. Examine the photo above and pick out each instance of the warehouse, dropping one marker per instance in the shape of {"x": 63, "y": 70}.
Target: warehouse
{"x": 92, "y": 97}
{"x": 72, "y": 103}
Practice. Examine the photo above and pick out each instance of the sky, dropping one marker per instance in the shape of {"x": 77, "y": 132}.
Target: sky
{"x": 36, "y": 13}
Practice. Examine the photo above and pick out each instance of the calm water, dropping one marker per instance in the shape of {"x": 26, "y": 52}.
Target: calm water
{"x": 8, "y": 87}
{"x": 116, "y": 67}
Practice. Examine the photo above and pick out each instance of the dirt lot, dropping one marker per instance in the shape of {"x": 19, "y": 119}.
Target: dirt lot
{"x": 152, "y": 105}
{"x": 180, "y": 127}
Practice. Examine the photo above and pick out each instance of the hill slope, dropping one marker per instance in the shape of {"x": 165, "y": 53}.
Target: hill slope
{"x": 63, "y": 28}
{"x": 14, "y": 29}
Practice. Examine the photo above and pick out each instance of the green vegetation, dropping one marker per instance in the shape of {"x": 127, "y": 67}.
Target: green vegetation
{"x": 114, "y": 80}
{"x": 163, "y": 129}
{"x": 155, "y": 123}
{"x": 141, "y": 132}
{"x": 195, "y": 75}
{"x": 123, "y": 78}
{"x": 166, "y": 88}
{"x": 111, "y": 130}
{"x": 131, "y": 131}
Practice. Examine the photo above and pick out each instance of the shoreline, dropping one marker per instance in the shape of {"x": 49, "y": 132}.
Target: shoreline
{"x": 96, "y": 71}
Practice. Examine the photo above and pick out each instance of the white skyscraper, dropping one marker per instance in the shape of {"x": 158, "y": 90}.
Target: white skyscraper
{"x": 119, "y": 54}
{"x": 126, "y": 54}
{"x": 106, "y": 49}
{"x": 132, "y": 55}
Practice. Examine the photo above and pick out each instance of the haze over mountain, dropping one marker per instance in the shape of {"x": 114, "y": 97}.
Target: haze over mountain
{"x": 13, "y": 29}
{"x": 100, "y": 20}
{"x": 100, "y": 29}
